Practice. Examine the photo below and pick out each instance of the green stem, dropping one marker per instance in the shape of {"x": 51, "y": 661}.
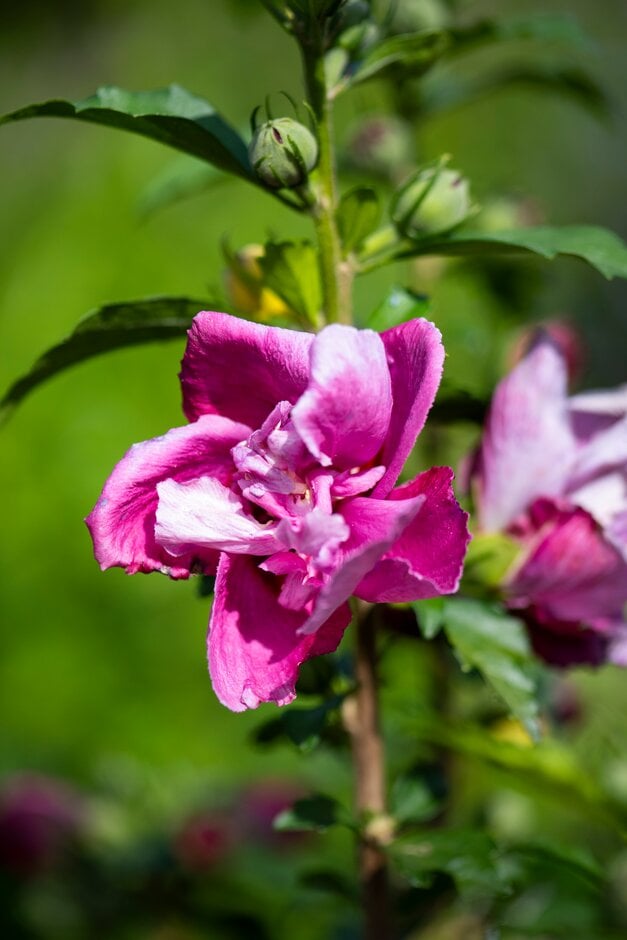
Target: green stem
{"x": 336, "y": 272}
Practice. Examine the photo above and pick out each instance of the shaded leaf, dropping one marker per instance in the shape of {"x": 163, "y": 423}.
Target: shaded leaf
{"x": 468, "y": 856}
{"x": 412, "y": 800}
{"x": 599, "y": 247}
{"x": 329, "y": 882}
{"x": 183, "y": 178}
{"x": 399, "y": 306}
{"x": 317, "y": 813}
{"x": 455, "y": 91}
{"x": 357, "y": 216}
{"x": 487, "y": 639}
{"x": 111, "y": 327}
{"x": 172, "y": 116}
{"x": 291, "y": 270}
{"x": 537, "y": 27}
{"x": 430, "y": 615}
{"x": 411, "y": 53}
{"x": 304, "y": 727}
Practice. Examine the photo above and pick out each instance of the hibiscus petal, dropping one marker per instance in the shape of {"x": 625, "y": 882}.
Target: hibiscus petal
{"x": 375, "y": 525}
{"x": 254, "y": 647}
{"x": 594, "y": 411}
{"x": 240, "y": 369}
{"x": 528, "y": 447}
{"x": 344, "y": 415}
{"x": 415, "y": 359}
{"x": 123, "y": 520}
{"x": 604, "y": 452}
{"x": 427, "y": 559}
{"x": 204, "y": 513}
{"x": 571, "y": 572}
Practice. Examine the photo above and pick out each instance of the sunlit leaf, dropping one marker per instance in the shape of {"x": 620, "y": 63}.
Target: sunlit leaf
{"x": 468, "y": 856}
{"x": 171, "y": 115}
{"x": 111, "y": 327}
{"x": 291, "y": 270}
{"x": 486, "y": 638}
{"x": 399, "y": 306}
{"x": 599, "y": 247}
{"x": 430, "y": 615}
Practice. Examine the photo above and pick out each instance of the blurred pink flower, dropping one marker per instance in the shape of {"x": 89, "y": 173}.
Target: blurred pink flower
{"x": 39, "y": 819}
{"x": 258, "y": 807}
{"x": 563, "y": 334}
{"x": 551, "y": 472}
{"x": 283, "y": 483}
{"x": 203, "y": 841}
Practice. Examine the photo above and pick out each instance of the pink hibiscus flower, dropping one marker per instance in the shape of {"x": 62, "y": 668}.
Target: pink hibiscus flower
{"x": 551, "y": 472}
{"x": 283, "y": 484}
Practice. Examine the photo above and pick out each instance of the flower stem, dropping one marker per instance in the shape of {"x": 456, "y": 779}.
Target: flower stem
{"x": 361, "y": 718}
{"x": 336, "y": 273}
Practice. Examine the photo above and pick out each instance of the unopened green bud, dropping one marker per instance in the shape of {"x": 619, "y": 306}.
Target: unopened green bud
{"x": 282, "y": 153}
{"x": 382, "y": 144}
{"x": 431, "y": 202}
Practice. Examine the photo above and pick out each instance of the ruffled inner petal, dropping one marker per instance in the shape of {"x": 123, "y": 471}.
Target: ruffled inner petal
{"x": 123, "y": 521}
{"x": 344, "y": 415}
{"x": 205, "y": 514}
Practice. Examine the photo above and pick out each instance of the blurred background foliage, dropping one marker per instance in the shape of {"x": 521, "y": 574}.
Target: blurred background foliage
{"x": 102, "y": 677}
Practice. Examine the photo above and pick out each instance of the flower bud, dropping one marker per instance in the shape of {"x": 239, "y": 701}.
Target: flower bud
{"x": 282, "y": 152}
{"x": 382, "y": 144}
{"x": 431, "y": 202}
{"x": 245, "y": 287}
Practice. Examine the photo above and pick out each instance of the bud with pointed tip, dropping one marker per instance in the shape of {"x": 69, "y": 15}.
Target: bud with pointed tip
{"x": 282, "y": 153}
{"x": 433, "y": 201}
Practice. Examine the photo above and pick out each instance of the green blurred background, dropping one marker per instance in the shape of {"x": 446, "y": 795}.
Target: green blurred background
{"x": 95, "y": 667}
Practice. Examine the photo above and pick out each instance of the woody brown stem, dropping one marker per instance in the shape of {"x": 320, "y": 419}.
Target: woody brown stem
{"x": 362, "y": 723}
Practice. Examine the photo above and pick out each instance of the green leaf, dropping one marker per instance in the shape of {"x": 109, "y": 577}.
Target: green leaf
{"x": 357, "y": 216}
{"x": 171, "y": 115}
{"x": 537, "y": 27}
{"x": 291, "y": 270}
{"x": 468, "y": 856}
{"x": 329, "y": 882}
{"x": 183, "y": 178}
{"x": 488, "y": 559}
{"x": 111, "y": 327}
{"x": 430, "y": 616}
{"x": 487, "y": 639}
{"x": 412, "y": 54}
{"x": 399, "y": 306}
{"x": 455, "y": 91}
{"x": 313, "y": 813}
{"x": 412, "y": 801}
{"x": 601, "y": 248}
{"x": 304, "y": 727}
